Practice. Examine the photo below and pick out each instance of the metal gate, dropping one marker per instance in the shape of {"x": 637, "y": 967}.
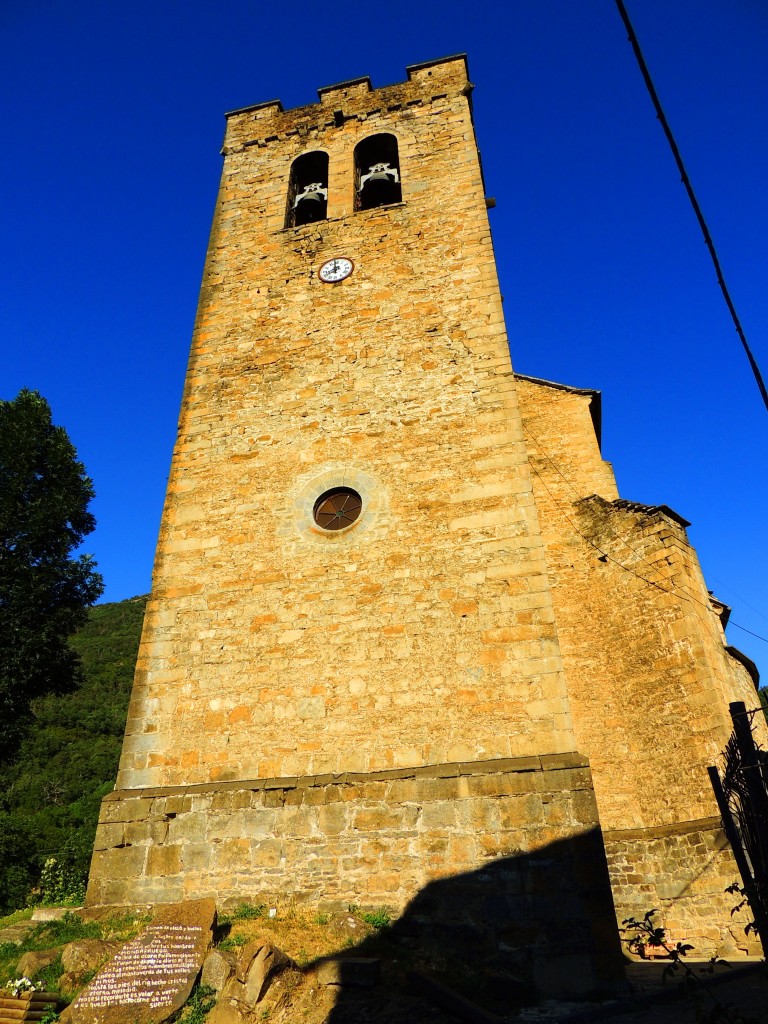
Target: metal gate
{"x": 742, "y": 797}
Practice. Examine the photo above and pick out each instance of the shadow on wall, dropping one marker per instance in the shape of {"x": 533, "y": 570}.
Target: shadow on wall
{"x": 536, "y": 925}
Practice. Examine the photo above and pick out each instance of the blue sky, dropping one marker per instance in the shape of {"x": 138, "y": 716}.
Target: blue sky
{"x": 109, "y": 171}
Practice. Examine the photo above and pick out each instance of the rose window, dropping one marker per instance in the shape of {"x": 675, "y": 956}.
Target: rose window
{"x": 338, "y": 508}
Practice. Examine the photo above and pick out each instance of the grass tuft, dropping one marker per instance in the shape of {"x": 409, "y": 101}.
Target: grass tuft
{"x": 198, "y": 1006}
{"x": 248, "y": 912}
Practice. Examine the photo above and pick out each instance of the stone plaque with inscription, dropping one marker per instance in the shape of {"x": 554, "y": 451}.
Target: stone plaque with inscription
{"x": 152, "y": 975}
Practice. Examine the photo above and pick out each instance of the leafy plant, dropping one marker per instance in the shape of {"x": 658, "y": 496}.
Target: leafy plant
{"x": 737, "y": 889}
{"x": 378, "y": 919}
{"x": 200, "y": 1003}
{"x": 645, "y": 932}
{"x": 233, "y": 942}
{"x": 61, "y": 884}
{"x": 18, "y": 864}
{"x": 66, "y": 929}
{"x": 47, "y": 979}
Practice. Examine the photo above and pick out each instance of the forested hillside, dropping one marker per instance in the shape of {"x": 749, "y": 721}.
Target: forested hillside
{"x": 50, "y": 794}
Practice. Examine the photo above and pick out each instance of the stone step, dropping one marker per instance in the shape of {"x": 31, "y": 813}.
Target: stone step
{"x": 53, "y": 913}
{"x": 21, "y": 1015}
{"x": 29, "y": 1006}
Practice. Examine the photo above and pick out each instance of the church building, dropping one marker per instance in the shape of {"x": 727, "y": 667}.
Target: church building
{"x": 406, "y": 645}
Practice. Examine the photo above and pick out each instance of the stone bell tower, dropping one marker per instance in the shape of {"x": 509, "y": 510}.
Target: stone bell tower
{"x": 350, "y": 684}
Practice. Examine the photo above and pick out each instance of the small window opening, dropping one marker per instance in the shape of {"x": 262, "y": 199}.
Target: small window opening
{"x": 337, "y": 508}
{"x": 308, "y": 190}
{"x": 377, "y": 169}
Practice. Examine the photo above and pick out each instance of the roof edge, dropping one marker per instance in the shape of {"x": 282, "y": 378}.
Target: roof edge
{"x": 595, "y": 405}
{"x": 555, "y": 384}
{"x": 411, "y": 70}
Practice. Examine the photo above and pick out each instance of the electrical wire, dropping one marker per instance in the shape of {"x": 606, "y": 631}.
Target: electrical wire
{"x": 691, "y": 195}
{"x": 580, "y": 497}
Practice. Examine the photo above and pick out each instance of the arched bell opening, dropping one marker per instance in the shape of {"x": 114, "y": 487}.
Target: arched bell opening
{"x": 377, "y": 172}
{"x": 308, "y": 190}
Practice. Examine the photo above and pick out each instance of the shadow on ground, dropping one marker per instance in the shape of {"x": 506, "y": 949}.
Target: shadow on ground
{"x": 537, "y": 925}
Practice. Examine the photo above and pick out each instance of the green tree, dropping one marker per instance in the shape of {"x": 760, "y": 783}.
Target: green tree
{"x": 45, "y": 590}
{"x": 18, "y": 867}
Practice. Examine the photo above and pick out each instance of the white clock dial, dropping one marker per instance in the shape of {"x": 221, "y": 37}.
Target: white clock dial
{"x": 335, "y": 270}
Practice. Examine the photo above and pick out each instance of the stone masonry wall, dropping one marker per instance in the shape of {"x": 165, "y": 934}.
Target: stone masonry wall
{"x": 648, "y": 673}
{"x": 681, "y": 871}
{"x": 271, "y": 647}
{"x": 510, "y": 850}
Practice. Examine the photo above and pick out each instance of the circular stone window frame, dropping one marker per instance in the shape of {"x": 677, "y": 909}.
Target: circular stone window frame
{"x": 349, "y": 510}
{"x": 310, "y": 488}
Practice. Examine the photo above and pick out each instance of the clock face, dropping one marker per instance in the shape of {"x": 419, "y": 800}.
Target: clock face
{"x": 336, "y": 270}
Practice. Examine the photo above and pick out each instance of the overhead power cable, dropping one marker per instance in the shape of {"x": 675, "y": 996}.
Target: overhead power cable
{"x": 694, "y": 202}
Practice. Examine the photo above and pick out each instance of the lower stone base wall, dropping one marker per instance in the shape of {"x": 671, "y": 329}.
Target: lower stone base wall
{"x": 501, "y": 860}
{"x": 681, "y": 871}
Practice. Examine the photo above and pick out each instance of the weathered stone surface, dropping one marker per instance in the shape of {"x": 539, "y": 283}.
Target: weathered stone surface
{"x": 350, "y": 972}
{"x": 218, "y": 968}
{"x": 52, "y": 913}
{"x": 267, "y": 962}
{"x": 422, "y": 421}
{"x": 151, "y": 976}
{"x": 16, "y": 933}
{"x": 35, "y": 961}
{"x": 84, "y": 955}
{"x": 226, "y": 1011}
{"x": 346, "y": 926}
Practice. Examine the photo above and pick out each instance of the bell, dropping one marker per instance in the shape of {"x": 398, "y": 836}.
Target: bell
{"x": 380, "y": 186}
{"x": 310, "y": 204}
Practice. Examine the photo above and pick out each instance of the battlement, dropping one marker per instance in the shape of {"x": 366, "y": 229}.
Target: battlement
{"x": 352, "y": 99}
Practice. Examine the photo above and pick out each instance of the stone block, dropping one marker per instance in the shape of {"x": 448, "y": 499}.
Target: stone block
{"x": 231, "y": 855}
{"x": 125, "y": 810}
{"x": 265, "y": 853}
{"x": 259, "y": 962}
{"x": 189, "y": 827}
{"x": 441, "y": 814}
{"x": 121, "y": 864}
{"x": 350, "y": 972}
{"x": 164, "y": 860}
{"x": 30, "y": 964}
{"x": 332, "y": 819}
{"x": 218, "y": 968}
{"x": 136, "y": 832}
{"x": 374, "y": 819}
{"x": 85, "y": 955}
{"x": 109, "y": 835}
{"x": 150, "y": 977}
